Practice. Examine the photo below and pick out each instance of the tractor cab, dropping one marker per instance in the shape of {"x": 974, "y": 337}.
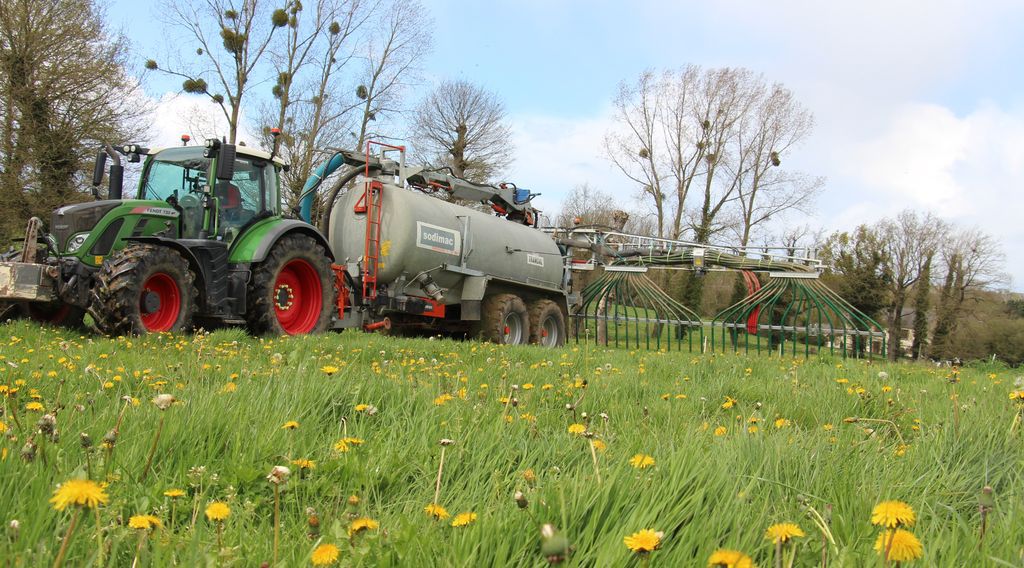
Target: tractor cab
{"x": 242, "y": 192}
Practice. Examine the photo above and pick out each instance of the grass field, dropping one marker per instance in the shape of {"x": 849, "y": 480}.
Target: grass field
{"x": 736, "y": 444}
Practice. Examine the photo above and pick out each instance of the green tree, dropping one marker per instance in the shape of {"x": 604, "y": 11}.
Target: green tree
{"x": 64, "y": 89}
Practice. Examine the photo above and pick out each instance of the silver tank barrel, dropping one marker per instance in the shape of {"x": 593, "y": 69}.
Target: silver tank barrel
{"x": 420, "y": 233}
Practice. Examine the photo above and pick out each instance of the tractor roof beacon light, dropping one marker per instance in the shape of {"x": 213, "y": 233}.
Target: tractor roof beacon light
{"x": 185, "y": 138}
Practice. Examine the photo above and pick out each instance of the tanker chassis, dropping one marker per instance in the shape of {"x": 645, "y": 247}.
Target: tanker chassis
{"x": 205, "y": 242}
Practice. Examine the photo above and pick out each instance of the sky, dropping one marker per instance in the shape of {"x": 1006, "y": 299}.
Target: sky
{"x": 917, "y": 104}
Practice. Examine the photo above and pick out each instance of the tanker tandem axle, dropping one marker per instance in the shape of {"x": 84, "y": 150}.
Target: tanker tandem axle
{"x": 205, "y": 242}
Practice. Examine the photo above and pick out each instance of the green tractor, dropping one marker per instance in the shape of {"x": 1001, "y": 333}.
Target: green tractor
{"x": 203, "y": 242}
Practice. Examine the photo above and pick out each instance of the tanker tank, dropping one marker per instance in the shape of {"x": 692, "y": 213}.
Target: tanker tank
{"x": 423, "y": 234}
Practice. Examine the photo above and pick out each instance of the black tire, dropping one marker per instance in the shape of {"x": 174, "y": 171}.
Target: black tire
{"x": 547, "y": 324}
{"x": 288, "y": 280}
{"x": 56, "y": 314}
{"x": 143, "y": 289}
{"x": 504, "y": 320}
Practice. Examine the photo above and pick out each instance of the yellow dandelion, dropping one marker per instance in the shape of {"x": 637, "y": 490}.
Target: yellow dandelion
{"x": 329, "y": 369}
{"x": 303, "y": 463}
{"x": 34, "y": 407}
{"x": 577, "y": 429}
{"x": 362, "y": 407}
{"x": 903, "y": 546}
{"x": 3, "y": 427}
{"x": 79, "y": 492}
{"x": 729, "y": 403}
{"x": 438, "y": 512}
{"x": 345, "y": 444}
{"x": 325, "y": 555}
{"x": 218, "y": 511}
{"x": 721, "y": 431}
{"x": 174, "y": 493}
{"x": 144, "y": 522}
{"x": 783, "y": 532}
{"x": 529, "y": 475}
{"x": 641, "y": 461}
{"x": 527, "y": 386}
{"x": 730, "y": 559}
{"x": 782, "y": 423}
{"x": 290, "y": 425}
{"x": 463, "y": 519}
{"x": 643, "y": 541}
{"x": 441, "y": 400}
{"x": 599, "y": 445}
{"x": 362, "y": 524}
{"x": 892, "y": 514}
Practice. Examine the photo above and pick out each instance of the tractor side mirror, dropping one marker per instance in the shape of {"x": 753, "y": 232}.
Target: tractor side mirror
{"x": 226, "y": 162}
{"x": 97, "y": 172}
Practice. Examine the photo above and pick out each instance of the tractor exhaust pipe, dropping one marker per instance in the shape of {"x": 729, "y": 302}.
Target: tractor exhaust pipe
{"x": 115, "y": 185}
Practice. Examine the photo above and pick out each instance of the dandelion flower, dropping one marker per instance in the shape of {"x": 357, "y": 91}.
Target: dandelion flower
{"x": 303, "y": 463}
{"x": 325, "y": 555}
{"x": 643, "y": 541}
{"x": 463, "y": 519}
{"x": 34, "y": 406}
{"x": 730, "y": 559}
{"x": 436, "y": 511}
{"x": 362, "y": 407}
{"x": 144, "y": 522}
{"x": 783, "y": 532}
{"x": 329, "y": 369}
{"x": 721, "y": 431}
{"x": 903, "y": 547}
{"x": 290, "y": 425}
{"x": 218, "y": 511}
{"x": 362, "y": 524}
{"x": 641, "y": 461}
{"x": 577, "y": 429}
{"x": 80, "y": 492}
{"x": 892, "y": 514}
{"x": 174, "y": 493}
{"x": 729, "y": 403}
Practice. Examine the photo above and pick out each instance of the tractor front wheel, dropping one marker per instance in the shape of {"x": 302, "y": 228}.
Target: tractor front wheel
{"x": 292, "y": 291}
{"x": 144, "y": 289}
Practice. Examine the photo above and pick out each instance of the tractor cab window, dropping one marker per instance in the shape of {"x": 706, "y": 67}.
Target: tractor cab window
{"x": 241, "y": 199}
{"x": 175, "y": 172}
{"x": 179, "y": 175}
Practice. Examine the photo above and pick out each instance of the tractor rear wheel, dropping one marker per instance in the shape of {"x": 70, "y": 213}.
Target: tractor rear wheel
{"x": 504, "y": 320}
{"x": 292, "y": 291}
{"x": 144, "y": 289}
{"x": 547, "y": 324}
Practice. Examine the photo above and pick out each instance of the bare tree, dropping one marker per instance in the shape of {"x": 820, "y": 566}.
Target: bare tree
{"x": 634, "y": 147}
{"x": 311, "y": 112}
{"x": 393, "y": 51}
{"x": 907, "y": 241}
{"x": 777, "y": 124}
{"x": 64, "y": 89}
{"x": 463, "y": 126}
{"x": 245, "y": 34}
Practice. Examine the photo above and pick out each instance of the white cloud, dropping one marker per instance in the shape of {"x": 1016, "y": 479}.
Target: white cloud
{"x": 196, "y": 115}
{"x": 554, "y": 155}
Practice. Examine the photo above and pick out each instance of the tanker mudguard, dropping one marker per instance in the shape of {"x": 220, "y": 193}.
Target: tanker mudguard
{"x": 280, "y": 229}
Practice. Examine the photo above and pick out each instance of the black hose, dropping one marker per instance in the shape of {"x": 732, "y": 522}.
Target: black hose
{"x": 325, "y": 221}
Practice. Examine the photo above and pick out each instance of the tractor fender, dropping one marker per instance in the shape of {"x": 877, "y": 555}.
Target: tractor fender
{"x": 254, "y": 245}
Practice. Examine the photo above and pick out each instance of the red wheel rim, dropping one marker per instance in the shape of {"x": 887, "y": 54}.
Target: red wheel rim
{"x": 167, "y": 292}
{"x": 298, "y": 297}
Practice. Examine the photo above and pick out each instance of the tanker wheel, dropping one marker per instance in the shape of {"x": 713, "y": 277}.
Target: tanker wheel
{"x": 292, "y": 291}
{"x": 547, "y": 324}
{"x": 504, "y": 320}
{"x": 144, "y": 289}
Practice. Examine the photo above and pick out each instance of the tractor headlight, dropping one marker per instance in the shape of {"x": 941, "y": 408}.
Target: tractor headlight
{"x": 76, "y": 242}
